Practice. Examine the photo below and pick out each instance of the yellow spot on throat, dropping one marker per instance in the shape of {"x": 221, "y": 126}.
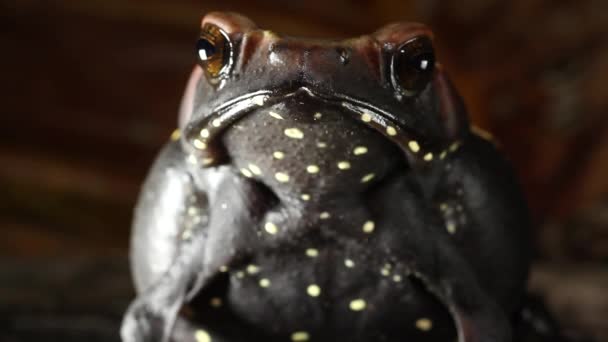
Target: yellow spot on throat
{"x": 264, "y": 282}
{"x": 271, "y": 228}
{"x": 281, "y": 177}
{"x": 199, "y": 144}
{"x": 204, "y": 133}
{"x": 275, "y": 115}
{"x": 202, "y": 336}
{"x": 216, "y": 123}
{"x": 300, "y": 336}
{"x": 278, "y": 155}
{"x": 313, "y": 290}
{"x": 312, "y": 169}
{"x": 246, "y": 173}
{"x": 357, "y": 304}
{"x": 424, "y": 324}
{"x": 321, "y": 144}
{"x": 312, "y": 252}
{"x": 367, "y": 178}
{"x": 368, "y": 227}
{"x": 390, "y": 130}
{"x": 428, "y": 156}
{"x": 343, "y": 165}
{"x": 305, "y": 197}
{"x": 349, "y": 263}
{"x": 414, "y": 146}
{"x": 365, "y": 117}
{"x": 252, "y": 269}
{"x": 176, "y": 134}
{"x": 294, "y": 133}
{"x": 324, "y": 215}
{"x": 255, "y": 169}
{"x": 359, "y": 150}
{"x": 450, "y": 226}
{"x": 318, "y": 115}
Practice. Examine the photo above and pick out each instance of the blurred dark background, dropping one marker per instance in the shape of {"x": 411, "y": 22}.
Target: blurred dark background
{"x": 90, "y": 90}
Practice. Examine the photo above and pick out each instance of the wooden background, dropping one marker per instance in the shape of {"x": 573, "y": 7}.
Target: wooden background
{"x": 89, "y": 91}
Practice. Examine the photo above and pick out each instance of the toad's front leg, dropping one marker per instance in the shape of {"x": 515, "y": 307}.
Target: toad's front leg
{"x": 233, "y": 210}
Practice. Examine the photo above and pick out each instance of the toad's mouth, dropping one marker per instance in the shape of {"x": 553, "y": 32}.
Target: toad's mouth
{"x": 202, "y": 136}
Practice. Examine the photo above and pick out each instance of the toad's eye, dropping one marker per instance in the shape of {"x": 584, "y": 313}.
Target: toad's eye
{"x": 214, "y": 51}
{"x": 412, "y": 65}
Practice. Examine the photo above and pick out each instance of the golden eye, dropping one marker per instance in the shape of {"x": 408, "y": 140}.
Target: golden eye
{"x": 213, "y": 50}
{"x": 413, "y": 65}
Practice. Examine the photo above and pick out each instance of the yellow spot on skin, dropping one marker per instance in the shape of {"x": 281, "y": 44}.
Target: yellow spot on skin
{"x": 281, "y": 177}
{"x": 357, "y": 304}
{"x": 204, "y": 133}
{"x": 300, "y": 336}
{"x": 312, "y": 252}
{"x": 454, "y": 146}
{"x": 317, "y": 115}
{"x": 321, "y": 144}
{"x": 428, "y": 156}
{"x": 359, "y": 150}
{"x": 368, "y": 227}
{"x": 367, "y": 178}
{"x": 224, "y": 269}
{"x": 324, "y": 215}
{"x": 313, "y": 290}
{"x": 414, "y": 146}
{"x": 443, "y": 154}
{"x": 312, "y": 169}
{"x": 264, "y": 282}
{"x": 246, "y": 173}
{"x": 396, "y": 278}
{"x": 365, "y": 117}
{"x": 252, "y": 269}
{"x": 199, "y": 144}
{"x": 424, "y": 324}
{"x": 305, "y": 197}
{"x": 202, "y": 336}
{"x": 207, "y": 161}
{"x": 385, "y": 271}
{"x": 271, "y": 228}
{"x": 390, "y": 130}
{"x": 343, "y": 165}
{"x": 215, "y": 302}
{"x": 275, "y": 115}
{"x": 259, "y": 100}
{"x": 192, "y": 159}
{"x": 255, "y": 169}
{"x": 294, "y": 133}
{"x": 450, "y": 227}
{"x": 176, "y": 134}
{"x": 240, "y": 274}
{"x": 349, "y": 263}
{"x": 216, "y": 123}
{"x": 278, "y": 155}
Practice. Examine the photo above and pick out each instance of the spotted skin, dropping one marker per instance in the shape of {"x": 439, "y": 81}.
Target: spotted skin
{"x": 306, "y": 198}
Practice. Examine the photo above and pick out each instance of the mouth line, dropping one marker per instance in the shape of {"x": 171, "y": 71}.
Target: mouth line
{"x": 202, "y": 136}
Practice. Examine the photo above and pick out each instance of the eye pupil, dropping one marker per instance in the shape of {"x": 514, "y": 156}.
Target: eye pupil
{"x": 413, "y": 65}
{"x": 205, "y": 49}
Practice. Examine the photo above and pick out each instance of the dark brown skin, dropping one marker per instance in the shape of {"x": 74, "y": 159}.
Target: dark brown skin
{"x": 314, "y": 194}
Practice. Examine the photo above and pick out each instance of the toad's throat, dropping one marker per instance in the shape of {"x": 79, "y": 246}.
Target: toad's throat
{"x": 203, "y": 136}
